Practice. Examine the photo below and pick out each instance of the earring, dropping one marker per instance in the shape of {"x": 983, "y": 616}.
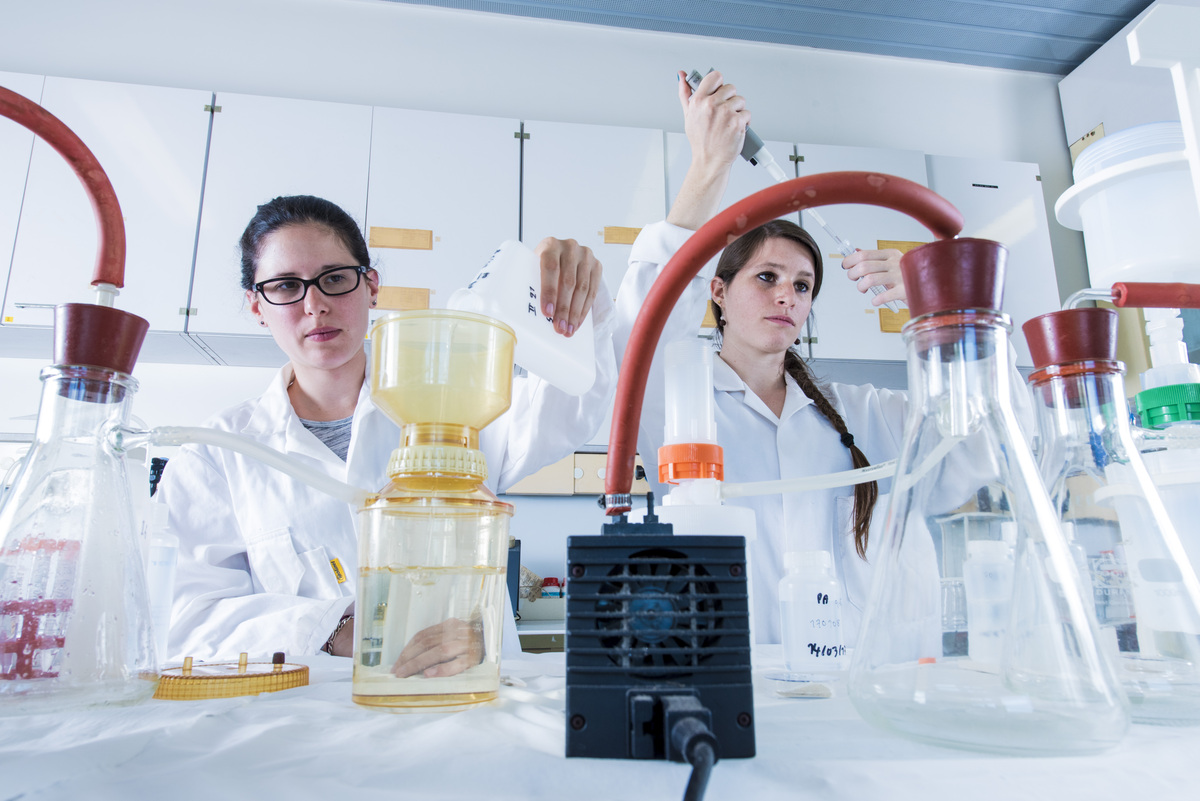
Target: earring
{"x": 373, "y": 303}
{"x": 263, "y": 323}
{"x": 797, "y": 340}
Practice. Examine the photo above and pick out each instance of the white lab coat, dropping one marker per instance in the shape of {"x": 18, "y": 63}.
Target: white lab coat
{"x": 758, "y": 446}
{"x": 255, "y": 545}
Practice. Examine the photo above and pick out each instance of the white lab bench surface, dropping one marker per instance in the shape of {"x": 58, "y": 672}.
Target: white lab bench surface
{"x": 314, "y": 742}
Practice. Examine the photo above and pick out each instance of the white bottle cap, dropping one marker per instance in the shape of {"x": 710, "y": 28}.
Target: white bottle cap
{"x": 987, "y": 550}
{"x": 808, "y": 561}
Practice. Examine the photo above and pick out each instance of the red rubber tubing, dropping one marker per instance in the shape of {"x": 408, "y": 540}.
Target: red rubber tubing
{"x": 110, "y": 225}
{"x": 1157, "y": 296}
{"x": 875, "y": 189}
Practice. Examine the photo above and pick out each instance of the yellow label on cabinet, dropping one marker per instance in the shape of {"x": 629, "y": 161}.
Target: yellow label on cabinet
{"x": 338, "y": 572}
{"x": 8, "y": 319}
{"x": 1094, "y": 135}
{"x": 405, "y": 238}
{"x": 616, "y": 235}
{"x": 891, "y": 322}
{"x": 896, "y": 244}
{"x": 710, "y": 319}
{"x": 403, "y": 298}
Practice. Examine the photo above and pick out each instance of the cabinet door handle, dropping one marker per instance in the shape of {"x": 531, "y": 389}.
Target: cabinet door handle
{"x": 35, "y": 305}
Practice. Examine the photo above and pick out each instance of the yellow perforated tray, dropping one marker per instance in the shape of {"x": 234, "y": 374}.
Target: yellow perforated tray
{"x": 195, "y": 682}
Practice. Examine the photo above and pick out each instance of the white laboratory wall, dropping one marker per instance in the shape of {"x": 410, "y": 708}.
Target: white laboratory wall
{"x": 391, "y": 54}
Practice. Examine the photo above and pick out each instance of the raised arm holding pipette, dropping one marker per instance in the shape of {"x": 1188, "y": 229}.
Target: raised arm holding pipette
{"x": 773, "y": 419}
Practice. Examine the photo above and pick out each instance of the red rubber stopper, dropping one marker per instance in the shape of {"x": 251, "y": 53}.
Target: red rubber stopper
{"x": 97, "y": 336}
{"x": 954, "y": 274}
{"x": 1072, "y": 335}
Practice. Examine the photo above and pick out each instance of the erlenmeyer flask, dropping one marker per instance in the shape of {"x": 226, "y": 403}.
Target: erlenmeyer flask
{"x": 1039, "y": 684}
{"x": 74, "y": 617}
{"x": 1147, "y": 598}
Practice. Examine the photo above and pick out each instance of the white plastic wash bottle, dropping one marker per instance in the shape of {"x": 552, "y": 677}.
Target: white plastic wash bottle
{"x": 508, "y": 288}
{"x": 810, "y": 601}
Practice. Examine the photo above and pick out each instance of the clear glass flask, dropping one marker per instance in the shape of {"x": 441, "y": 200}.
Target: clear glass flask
{"x": 1042, "y": 686}
{"x": 74, "y": 616}
{"x": 1146, "y": 594}
{"x": 433, "y": 544}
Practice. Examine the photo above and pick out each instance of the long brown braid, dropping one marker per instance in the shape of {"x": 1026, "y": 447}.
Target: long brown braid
{"x": 733, "y": 259}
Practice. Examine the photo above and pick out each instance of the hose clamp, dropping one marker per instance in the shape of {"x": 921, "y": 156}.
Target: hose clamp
{"x": 617, "y": 500}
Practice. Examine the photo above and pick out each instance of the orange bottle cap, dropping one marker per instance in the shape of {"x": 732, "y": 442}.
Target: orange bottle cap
{"x": 690, "y": 460}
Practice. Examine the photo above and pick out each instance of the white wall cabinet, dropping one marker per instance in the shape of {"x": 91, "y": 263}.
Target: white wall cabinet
{"x": 468, "y": 182}
{"x": 844, "y": 323}
{"x": 261, "y": 148}
{"x": 581, "y": 179}
{"x": 150, "y": 141}
{"x": 450, "y": 180}
{"x": 1003, "y": 201}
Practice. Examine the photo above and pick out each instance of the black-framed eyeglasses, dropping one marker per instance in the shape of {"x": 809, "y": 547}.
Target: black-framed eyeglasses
{"x": 332, "y": 282}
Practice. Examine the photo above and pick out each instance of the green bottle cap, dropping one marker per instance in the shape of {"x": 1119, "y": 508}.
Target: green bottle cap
{"x": 1162, "y": 406}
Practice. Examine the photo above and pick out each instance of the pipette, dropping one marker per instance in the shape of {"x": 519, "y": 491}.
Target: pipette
{"x": 845, "y": 248}
{"x": 755, "y": 152}
{"x": 753, "y": 149}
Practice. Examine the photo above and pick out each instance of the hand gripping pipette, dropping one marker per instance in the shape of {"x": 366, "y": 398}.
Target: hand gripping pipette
{"x": 755, "y": 152}
{"x": 845, "y": 248}
{"x": 753, "y": 149}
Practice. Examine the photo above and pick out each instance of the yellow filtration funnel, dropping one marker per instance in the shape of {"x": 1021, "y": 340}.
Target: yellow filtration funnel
{"x": 450, "y": 371}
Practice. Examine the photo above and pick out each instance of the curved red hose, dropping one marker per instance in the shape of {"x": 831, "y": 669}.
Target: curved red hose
{"x": 110, "y": 256}
{"x": 1156, "y": 296}
{"x": 927, "y": 207}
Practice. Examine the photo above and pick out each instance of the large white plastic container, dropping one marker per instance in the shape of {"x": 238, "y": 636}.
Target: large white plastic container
{"x": 1134, "y": 202}
{"x": 508, "y": 288}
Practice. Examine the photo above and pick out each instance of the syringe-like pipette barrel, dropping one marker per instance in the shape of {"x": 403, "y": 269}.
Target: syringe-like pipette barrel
{"x": 845, "y": 248}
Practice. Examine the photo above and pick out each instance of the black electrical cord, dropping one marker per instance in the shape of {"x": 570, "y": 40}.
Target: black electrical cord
{"x": 698, "y": 745}
{"x": 703, "y": 758}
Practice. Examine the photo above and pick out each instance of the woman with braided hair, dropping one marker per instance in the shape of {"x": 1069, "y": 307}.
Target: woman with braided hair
{"x": 773, "y": 418}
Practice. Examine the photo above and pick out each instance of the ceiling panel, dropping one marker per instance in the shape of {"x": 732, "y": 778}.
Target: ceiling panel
{"x": 1050, "y": 36}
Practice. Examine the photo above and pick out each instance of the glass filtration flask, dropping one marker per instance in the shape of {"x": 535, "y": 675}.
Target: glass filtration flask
{"x": 1041, "y": 684}
{"x": 1147, "y": 598}
{"x": 74, "y": 616}
{"x": 433, "y": 544}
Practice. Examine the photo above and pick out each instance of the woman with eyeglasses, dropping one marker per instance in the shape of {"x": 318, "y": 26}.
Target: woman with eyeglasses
{"x": 267, "y": 563}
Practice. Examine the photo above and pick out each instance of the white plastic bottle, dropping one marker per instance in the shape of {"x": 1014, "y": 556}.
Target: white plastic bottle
{"x": 162, "y": 553}
{"x": 509, "y": 288}
{"x": 988, "y": 578}
{"x": 810, "y": 601}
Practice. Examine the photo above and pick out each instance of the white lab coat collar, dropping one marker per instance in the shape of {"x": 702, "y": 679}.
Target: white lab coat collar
{"x": 725, "y": 379}
{"x": 277, "y": 424}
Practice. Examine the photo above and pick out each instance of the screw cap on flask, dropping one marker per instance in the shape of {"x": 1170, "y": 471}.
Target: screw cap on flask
{"x": 97, "y": 336}
{"x": 1072, "y": 335}
{"x": 954, "y": 274}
